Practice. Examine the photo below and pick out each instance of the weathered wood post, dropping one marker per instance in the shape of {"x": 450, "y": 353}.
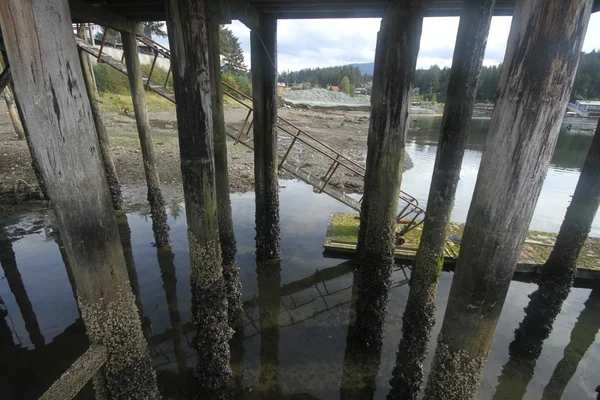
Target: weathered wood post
{"x": 389, "y": 122}
{"x": 138, "y": 95}
{"x": 583, "y": 337}
{"x": 419, "y": 315}
{"x": 47, "y": 73}
{"x": 109, "y": 166}
{"x": 559, "y": 270}
{"x": 535, "y": 84}
{"x": 263, "y": 44}
{"x": 8, "y": 261}
{"x": 187, "y": 27}
{"x": 231, "y": 271}
{"x": 555, "y": 281}
{"x": 14, "y": 115}
{"x": 378, "y": 67}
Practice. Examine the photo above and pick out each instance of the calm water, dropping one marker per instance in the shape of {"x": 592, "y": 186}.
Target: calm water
{"x": 42, "y": 333}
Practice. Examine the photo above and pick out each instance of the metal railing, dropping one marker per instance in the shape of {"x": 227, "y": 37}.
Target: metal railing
{"x": 411, "y": 215}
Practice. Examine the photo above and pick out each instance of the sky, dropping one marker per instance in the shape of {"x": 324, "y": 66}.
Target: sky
{"x": 331, "y": 42}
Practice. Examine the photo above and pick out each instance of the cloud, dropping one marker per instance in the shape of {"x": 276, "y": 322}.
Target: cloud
{"x": 330, "y": 42}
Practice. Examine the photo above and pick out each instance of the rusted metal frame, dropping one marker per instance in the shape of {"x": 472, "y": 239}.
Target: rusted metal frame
{"x": 155, "y": 45}
{"x": 237, "y": 140}
{"x": 330, "y": 173}
{"x": 321, "y": 295}
{"x": 317, "y": 149}
{"x": 289, "y": 150}
{"x": 168, "y": 75}
{"x": 123, "y": 57}
{"x": 151, "y": 69}
{"x": 286, "y": 310}
{"x": 102, "y": 45}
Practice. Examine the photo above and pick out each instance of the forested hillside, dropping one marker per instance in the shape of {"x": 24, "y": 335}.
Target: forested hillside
{"x": 435, "y": 79}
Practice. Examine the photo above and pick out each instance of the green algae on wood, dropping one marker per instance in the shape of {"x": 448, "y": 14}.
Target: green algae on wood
{"x": 342, "y": 237}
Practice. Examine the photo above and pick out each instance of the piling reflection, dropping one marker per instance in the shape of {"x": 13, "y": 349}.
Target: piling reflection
{"x": 268, "y": 275}
{"x": 15, "y": 282}
{"x": 361, "y": 363}
{"x": 125, "y": 235}
{"x": 582, "y": 337}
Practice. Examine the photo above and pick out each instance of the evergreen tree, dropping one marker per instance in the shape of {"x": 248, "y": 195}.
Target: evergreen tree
{"x": 345, "y": 85}
{"x": 232, "y": 56}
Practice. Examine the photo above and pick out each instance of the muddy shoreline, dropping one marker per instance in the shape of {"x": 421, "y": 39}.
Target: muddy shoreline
{"x": 344, "y": 131}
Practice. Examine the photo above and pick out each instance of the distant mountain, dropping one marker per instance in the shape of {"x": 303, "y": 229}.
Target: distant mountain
{"x": 365, "y": 68}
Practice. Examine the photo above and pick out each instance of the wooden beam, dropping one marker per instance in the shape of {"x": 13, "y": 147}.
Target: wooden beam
{"x": 85, "y": 13}
{"x": 245, "y": 12}
{"x": 78, "y": 374}
{"x": 138, "y": 96}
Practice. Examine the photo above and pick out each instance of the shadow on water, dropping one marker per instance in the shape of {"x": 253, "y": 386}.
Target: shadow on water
{"x": 295, "y": 341}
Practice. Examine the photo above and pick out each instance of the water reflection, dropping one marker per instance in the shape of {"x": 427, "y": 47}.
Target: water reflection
{"x": 295, "y": 342}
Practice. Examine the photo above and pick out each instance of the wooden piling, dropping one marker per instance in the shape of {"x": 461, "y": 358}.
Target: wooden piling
{"x": 378, "y": 71}
{"x": 187, "y": 27}
{"x": 109, "y": 166}
{"x": 13, "y": 113}
{"x": 419, "y": 314}
{"x": 389, "y": 123}
{"x": 231, "y": 271}
{"x": 138, "y": 95}
{"x": 47, "y": 73}
{"x": 535, "y": 84}
{"x": 263, "y": 43}
{"x": 558, "y": 273}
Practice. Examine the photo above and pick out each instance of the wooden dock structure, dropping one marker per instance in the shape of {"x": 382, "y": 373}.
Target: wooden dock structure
{"x": 342, "y": 237}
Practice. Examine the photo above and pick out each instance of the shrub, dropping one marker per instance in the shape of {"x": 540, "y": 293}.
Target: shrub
{"x": 109, "y": 80}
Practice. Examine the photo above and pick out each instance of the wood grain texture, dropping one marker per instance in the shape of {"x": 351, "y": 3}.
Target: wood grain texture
{"x": 386, "y": 142}
{"x": 419, "y": 314}
{"x": 535, "y": 84}
{"x": 49, "y": 82}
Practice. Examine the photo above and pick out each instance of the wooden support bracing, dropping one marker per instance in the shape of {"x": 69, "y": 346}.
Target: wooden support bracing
{"x": 189, "y": 44}
{"x": 136, "y": 85}
{"x": 47, "y": 72}
{"x": 419, "y": 314}
{"x": 264, "y": 99}
{"x": 538, "y": 72}
{"x": 78, "y": 374}
{"x": 401, "y": 34}
{"x": 109, "y": 166}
